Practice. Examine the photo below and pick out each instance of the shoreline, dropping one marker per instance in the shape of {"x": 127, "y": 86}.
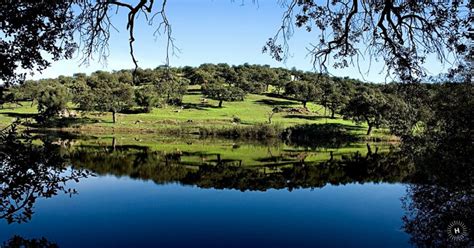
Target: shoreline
{"x": 241, "y": 132}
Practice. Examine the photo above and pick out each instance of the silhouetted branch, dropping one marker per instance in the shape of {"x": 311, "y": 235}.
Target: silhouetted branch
{"x": 402, "y": 33}
{"x": 94, "y": 25}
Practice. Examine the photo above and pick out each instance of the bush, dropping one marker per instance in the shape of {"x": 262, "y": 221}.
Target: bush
{"x": 236, "y": 119}
{"x": 314, "y": 135}
{"x": 259, "y": 131}
{"x": 147, "y": 98}
{"x": 52, "y": 99}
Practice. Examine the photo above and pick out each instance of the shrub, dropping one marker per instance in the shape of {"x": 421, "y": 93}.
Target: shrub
{"x": 315, "y": 135}
{"x": 236, "y": 119}
{"x": 52, "y": 99}
{"x": 147, "y": 98}
{"x": 259, "y": 131}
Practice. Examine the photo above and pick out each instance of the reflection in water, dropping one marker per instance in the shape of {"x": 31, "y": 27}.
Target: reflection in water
{"x": 429, "y": 211}
{"x": 29, "y": 172}
{"x": 17, "y": 241}
{"x": 222, "y": 173}
{"x": 439, "y": 191}
{"x": 443, "y": 192}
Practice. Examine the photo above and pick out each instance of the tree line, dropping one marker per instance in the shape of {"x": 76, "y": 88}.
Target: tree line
{"x": 404, "y": 108}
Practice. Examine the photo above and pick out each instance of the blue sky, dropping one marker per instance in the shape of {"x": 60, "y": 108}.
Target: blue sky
{"x": 212, "y": 31}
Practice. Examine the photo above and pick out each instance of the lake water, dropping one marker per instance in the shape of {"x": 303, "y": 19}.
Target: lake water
{"x": 211, "y": 194}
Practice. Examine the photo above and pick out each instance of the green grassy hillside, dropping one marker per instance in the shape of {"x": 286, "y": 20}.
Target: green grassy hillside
{"x": 193, "y": 114}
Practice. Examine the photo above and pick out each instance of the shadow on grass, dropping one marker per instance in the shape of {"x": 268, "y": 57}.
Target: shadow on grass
{"x": 200, "y": 106}
{"x": 194, "y": 92}
{"x": 306, "y": 117}
{"x": 134, "y": 111}
{"x": 273, "y": 102}
{"x": 63, "y": 122}
{"x": 19, "y": 115}
{"x": 275, "y": 95}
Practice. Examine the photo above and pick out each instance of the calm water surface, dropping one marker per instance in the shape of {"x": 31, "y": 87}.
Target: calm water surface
{"x": 167, "y": 197}
{"x": 111, "y": 212}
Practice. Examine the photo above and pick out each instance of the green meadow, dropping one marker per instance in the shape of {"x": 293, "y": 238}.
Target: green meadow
{"x": 192, "y": 115}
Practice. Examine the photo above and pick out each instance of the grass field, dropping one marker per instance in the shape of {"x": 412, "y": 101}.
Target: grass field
{"x": 254, "y": 109}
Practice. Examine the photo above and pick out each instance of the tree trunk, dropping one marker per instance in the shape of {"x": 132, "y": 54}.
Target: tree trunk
{"x": 220, "y": 103}
{"x": 369, "y": 150}
{"x": 113, "y": 116}
{"x": 369, "y": 130}
{"x": 218, "y": 159}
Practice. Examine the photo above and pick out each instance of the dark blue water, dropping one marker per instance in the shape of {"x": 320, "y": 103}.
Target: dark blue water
{"x": 280, "y": 196}
{"x": 123, "y": 212}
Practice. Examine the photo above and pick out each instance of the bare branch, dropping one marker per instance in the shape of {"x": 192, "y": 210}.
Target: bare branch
{"x": 402, "y": 33}
{"x": 94, "y": 22}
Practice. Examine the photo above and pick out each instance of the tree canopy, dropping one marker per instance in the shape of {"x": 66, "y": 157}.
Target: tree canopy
{"x": 52, "y": 99}
{"x": 435, "y": 107}
{"x": 220, "y": 92}
{"x": 303, "y": 91}
{"x": 369, "y": 105}
{"x": 403, "y": 34}
{"x": 103, "y": 93}
{"x": 30, "y": 28}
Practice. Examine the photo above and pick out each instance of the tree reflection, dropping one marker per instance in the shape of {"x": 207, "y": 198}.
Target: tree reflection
{"x": 439, "y": 178}
{"x": 442, "y": 192}
{"x": 216, "y": 171}
{"x": 429, "y": 211}
{"x": 18, "y": 241}
{"x": 29, "y": 172}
